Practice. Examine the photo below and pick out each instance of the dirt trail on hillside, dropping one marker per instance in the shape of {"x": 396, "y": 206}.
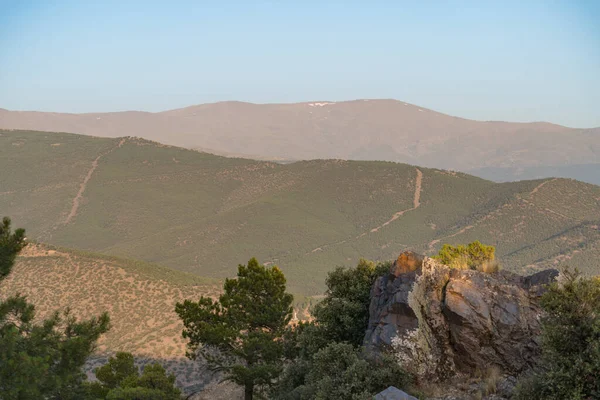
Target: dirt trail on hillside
{"x": 487, "y": 216}
{"x": 535, "y": 190}
{"x": 82, "y": 187}
{"x": 416, "y": 203}
{"x": 538, "y": 187}
{"x": 436, "y": 241}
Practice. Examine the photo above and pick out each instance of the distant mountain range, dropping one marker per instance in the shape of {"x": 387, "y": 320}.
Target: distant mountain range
{"x": 355, "y": 130}
{"x": 205, "y": 214}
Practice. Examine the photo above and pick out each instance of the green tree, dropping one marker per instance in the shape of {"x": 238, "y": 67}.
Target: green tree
{"x": 466, "y": 257}
{"x": 119, "y": 379}
{"x": 325, "y": 357}
{"x": 569, "y": 367}
{"x": 10, "y": 245}
{"x": 240, "y": 334}
{"x": 40, "y": 361}
{"x": 343, "y": 315}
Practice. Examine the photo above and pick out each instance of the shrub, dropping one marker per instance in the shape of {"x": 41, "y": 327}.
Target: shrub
{"x": 340, "y": 371}
{"x": 569, "y": 367}
{"x": 119, "y": 379}
{"x": 471, "y": 256}
{"x": 326, "y": 356}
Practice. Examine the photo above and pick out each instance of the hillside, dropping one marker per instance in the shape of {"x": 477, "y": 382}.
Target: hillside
{"x": 356, "y": 130}
{"x": 139, "y": 297}
{"x": 205, "y": 214}
{"x": 584, "y": 172}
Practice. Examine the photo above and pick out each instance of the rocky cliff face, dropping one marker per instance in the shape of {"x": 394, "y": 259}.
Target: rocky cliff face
{"x": 442, "y": 321}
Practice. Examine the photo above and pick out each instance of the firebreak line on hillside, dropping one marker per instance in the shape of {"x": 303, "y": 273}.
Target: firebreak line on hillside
{"x": 82, "y": 187}
{"x": 416, "y": 204}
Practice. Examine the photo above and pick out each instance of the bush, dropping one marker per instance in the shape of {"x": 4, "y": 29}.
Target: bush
{"x": 340, "y": 371}
{"x": 119, "y": 379}
{"x": 471, "y": 256}
{"x": 326, "y": 356}
{"x": 569, "y": 367}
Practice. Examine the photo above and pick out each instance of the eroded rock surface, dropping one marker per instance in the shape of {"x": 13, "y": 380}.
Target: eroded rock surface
{"x": 442, "y": 321}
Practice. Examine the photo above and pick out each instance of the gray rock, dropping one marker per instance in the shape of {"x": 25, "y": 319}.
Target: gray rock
{"x": 442, "y": 320}
{"x": 507, "y": 386}
{"x": 393, "y": 393}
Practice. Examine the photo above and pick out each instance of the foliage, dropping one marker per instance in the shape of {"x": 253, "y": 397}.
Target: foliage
{"x": 466, "y": 257}
{"x": 340, "y": 371}
{"x": 240, "y": 334}
{"x": 119, "y": 379}
{"x": 326, "y": 356}
{"x": 117, "y": 370}
{"x": 570, "y": 362}
{"x": 10, "y": 245}
{"x": 40, "y": 360}
{"x": 343, "y": 314}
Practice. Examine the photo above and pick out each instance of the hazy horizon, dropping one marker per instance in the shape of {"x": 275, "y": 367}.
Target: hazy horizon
{"x": 509, "y": 62}
{"x": 290, "y": 103}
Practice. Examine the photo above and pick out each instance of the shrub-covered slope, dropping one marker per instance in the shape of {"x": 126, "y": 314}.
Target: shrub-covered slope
{"x": 139, "y": 297}
{"x": 205, "y": 214}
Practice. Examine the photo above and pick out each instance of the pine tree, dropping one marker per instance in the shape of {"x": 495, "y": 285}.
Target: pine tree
{"x": 240, "y": 334}
{"x": 40, "y": 361}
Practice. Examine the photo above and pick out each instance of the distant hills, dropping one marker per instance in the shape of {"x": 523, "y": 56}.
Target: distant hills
{"x": 356, "y": 130}
{"x": 204, "y": 214}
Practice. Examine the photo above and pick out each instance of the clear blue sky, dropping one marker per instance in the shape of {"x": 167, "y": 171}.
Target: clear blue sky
{"x": 490, "y": 60}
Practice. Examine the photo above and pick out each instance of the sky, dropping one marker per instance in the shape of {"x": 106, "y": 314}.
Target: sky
{"x": 487, "y": 60}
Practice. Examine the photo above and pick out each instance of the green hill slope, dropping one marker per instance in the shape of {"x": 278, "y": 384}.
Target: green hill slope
{"x": 201, "y": 213}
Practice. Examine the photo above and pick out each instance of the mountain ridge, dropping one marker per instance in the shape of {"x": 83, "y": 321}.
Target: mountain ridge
{"x": 374, "y": 129}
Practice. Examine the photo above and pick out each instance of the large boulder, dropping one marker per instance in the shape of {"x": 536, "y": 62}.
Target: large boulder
{"x": 440, "y": 320}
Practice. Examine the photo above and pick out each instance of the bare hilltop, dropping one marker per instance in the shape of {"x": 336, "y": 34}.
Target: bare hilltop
{"x": 388, "y": 130}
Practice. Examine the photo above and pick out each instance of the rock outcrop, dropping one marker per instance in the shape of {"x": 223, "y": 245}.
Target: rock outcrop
{"x": 393, "y": 393}
{"x": 441, "y": 321}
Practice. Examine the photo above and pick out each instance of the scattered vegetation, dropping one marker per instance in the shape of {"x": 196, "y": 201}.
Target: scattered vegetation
{"x": 246, "y": 336}
{"x": 569, "y": 367}
{"x": 45, "y": 360}
{"x": 139, "y": 297}
{"x": 191, "y": 211}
